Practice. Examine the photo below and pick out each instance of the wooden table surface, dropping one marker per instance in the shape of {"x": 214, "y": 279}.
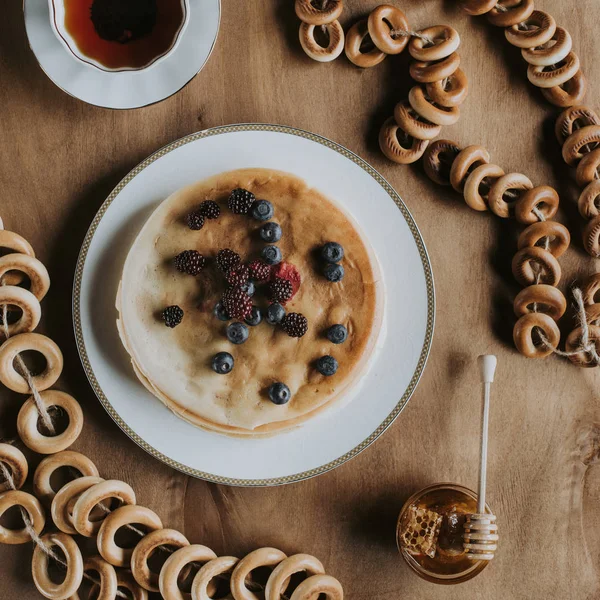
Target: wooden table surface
{"x": 60, "y": 158}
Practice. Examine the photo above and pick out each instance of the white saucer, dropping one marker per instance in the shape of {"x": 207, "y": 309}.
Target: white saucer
{"x": 323, "y": 443}
{"x": 126, "y": 89}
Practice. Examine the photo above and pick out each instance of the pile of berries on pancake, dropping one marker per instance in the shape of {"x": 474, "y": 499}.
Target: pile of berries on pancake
{"x": 278, "y": 281}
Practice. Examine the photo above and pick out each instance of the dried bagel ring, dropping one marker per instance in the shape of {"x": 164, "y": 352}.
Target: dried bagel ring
{"x": 381, "y": 22}
{"x": 513, "y": 183}
{"x": 103, "y": 572}
{"x": 411, "y": 122}
{"x": 62, "y": 504}
{"x": 445, "y": 41}
{"x": 12, "y": 242}
{"x": 12, "y": 347}
{"x": 555, "y": 234}
{"x": 33, "y": 508}
{"x": 591, "y": 237}
{"x": 438, "y": 161}
{"x": 584, "y": 358}
{"x": 405, "y": 151}
{"x": 11, "y": 295}
{"x": 145, "y": 547}
{"x": 527, "y": 326}
{"x": 176, "y": 563}
{"x": 280, "y": 577}
{"x": 477, "y": 7}
{"x": 112, "y": 488}
{"x": 74, "y": 569}
{"x": 592, "y": 314}
{"x": 532, "y": 32}
{"x": 590, "y": 288}
{"x": 558, "y": 74}
{"x": 430, "y": 71}
{"x": 451, "y": 91}
{"x": 30, "y": 266}
{"x": 357, "y": 36}
{"x": 542, "y": 199}
{"x": 16, "y": 463}
{"x": 316, "y": 585}
{"x": 264, "y": 557}
{"x": 510, "y": 12}
{"x": 550, "y": 54}
{"x": 467, "y": 160}
{"x": 27, "y": 423}
{"x": 122, "y": 517}
{"x": 474, "y": 195}
{"x": 308, "y": 13}
{"x": 205, "y": 576}
{"x": 76, "y": 461}
{"x": 441, "y": 115}
{"x": 588, "y": 168}
{"x": 586, "y": 139}
{"x": 540, "y": 298}
{"x": 547, "y": 267}
{"x": 573, "y": 118}
{"x": 125, "y": 580}
{"x": 568, "y": 94}
{"x": 317, "y": 52}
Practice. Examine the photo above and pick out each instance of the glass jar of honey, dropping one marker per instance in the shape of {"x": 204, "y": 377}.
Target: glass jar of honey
{"x": 429, "y": 533}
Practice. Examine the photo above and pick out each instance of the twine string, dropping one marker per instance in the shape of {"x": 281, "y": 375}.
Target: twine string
{"x": 396, "y": 33}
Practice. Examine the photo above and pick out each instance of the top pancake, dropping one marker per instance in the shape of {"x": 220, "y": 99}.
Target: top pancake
{"x": 175, "y": 364}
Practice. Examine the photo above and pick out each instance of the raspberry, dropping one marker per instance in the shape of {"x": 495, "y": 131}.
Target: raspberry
{"x": 190, "y": 261}
{"x": 172, "y": 316}
{"x": 226, "y": 259}
{"x": 238, "y": 275}
{"x": 237, "y": 303}
{"x": 295, "y": 324}
{"x": 259, "y": 270}
{"x": 195, "y": 220}
{"x": 209, "y": 209}
{"x": 289, "y": 272}
{"x": 240, "y": 201}
{"x": 280, "y": 290}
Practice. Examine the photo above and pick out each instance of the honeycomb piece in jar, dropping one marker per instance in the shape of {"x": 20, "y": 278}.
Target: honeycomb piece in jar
{"x": 420, "y": 530}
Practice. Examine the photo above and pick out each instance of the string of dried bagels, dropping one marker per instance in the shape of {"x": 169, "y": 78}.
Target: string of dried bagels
{"x": 83, "y": 506}
{"x": 435, "y": 101}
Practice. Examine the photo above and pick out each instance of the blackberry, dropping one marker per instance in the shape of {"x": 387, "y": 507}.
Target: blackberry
{"x": 259, "y": 270}
{"x": 190, "y": 261}
{"x": 237, "y": 304}
{"x": 279, "y": 393}
{"x": 195, "y": 220}
{"x": 295, "y": 324}
{"x": 271, "y": 255}
{"x": 172, "y": 316}
{"x": 270, "y": 232}
{"x": 275, "y": 313}
{"x": 240, "y": 201}
{"x": 238, "y": 275}
{"x": 262, "y": 210}
{"x": 237, "y": 333}
{"x": 332, "y": 252}
{"x": 222, "y": 363}
{"x": 226, "y": 259}
{"x": 337, "y": 334}
{"x": 327, "y": 365}
{"x": 333, "y": 272}
{"x": 254, "y": 318}
{"x": 209, "y": 209}
{"x": 280, "y": 290}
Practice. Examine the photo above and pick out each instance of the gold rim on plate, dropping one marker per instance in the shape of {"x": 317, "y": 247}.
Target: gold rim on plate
{"x": 422, "y": 357}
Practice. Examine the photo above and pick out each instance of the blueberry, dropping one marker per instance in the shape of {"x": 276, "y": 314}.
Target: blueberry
{"x": 271, "y": 255}
{"x": 327, "y": 365}
{"x": 279, "y": 393}
{"x": 333, "y": 272}
{"x": 255, "y": 317}
{"x": 219, "y": 312}
{"x": 222, "y": 363}
{"x": 275, "y": 314}
{"x": 237, "y": 333}
{"x": 337, "y": 334}
{"x": 332, "y": 252}
{"x": 270, "y": 232}
{"x": 249, "y": 288}
{"x": 262, "y": 210}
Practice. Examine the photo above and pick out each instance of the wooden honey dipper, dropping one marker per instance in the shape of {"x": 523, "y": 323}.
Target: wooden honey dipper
{"x": 480, "y": 538}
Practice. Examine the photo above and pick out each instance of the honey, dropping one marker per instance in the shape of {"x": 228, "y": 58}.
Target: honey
{"x": 123, "y": 34}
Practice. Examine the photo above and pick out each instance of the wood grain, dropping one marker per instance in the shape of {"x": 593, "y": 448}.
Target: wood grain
{"x": 59, "y": 159}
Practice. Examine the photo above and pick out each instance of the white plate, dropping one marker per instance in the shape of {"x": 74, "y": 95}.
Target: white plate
{"x": 131, "y": 89}
{"x": 319, "y": 445}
